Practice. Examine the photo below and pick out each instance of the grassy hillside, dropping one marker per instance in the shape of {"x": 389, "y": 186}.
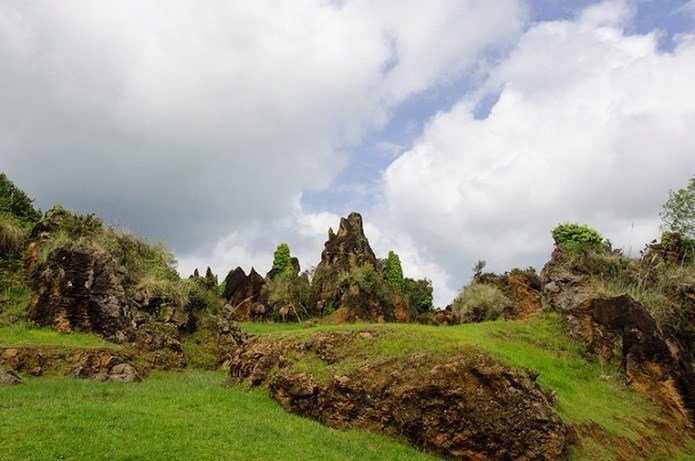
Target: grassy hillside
{"x": 178, "y": 416}
{"x": 190, "y": 414}
{"x": 611, "y": 420}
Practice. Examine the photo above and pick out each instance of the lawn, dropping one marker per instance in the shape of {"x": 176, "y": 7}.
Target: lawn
{"x": 177, "y": 416}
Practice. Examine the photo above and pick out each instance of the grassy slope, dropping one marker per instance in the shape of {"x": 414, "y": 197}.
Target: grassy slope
{"x": 588, "y": 394}
{"x": 177, "y": 416}
{"x": 27, "y": 334}
{"x": 190, "y": 414}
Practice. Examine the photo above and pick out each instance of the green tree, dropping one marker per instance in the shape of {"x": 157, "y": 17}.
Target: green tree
{"x": 678, "y": 214}
{"x": 419, "y": 294}
{"x": 394, "y": 271}
{"x": 16, "y": 202}
{"x": 282, "y": 260}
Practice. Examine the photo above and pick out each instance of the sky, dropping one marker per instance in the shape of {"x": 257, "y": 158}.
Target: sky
{"x": 461, "y": 130}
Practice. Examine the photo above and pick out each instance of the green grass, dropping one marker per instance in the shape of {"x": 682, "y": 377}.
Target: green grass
{"x": 27, "y": 334}
{"x": 175, "y": 417}
{"x": 264, "y": 328}
{"x": 587, "y": 392}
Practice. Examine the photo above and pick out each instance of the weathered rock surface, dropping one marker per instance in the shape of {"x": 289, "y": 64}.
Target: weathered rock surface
{"x": 651, "y": 364}
{"x": 77, "y": 290}
{"x": 465, "y": 407}
{"x": 243, "y": 294}
{"x": 94, "y": 363}
{"x": 9, "y": 378}
{"x": 344, "y": 251}
{"x": 348, "y": 248}
{"x": 523, "y": 288}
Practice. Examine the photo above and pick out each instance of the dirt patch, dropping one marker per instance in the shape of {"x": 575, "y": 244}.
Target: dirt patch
{"x": 466, "y": 406}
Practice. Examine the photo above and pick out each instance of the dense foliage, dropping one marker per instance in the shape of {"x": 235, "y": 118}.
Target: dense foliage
{"x": 578, "y": 238}
{"x": 418, "y": 294}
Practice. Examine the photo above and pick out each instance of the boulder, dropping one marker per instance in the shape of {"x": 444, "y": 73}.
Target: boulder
{"x": 123, "y": 373}
{"x": 77, "y": 289}
{"x": 522, "y": 287}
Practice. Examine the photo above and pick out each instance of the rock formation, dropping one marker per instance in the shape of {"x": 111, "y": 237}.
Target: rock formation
{"x": 651, "y": 364}
{"x": 77, "y": 290}
{"x": 522, "y": 287}
{"x": 373, "y": 300}
{"x": 243, "y": 294}
{"x": 348, "y": 248}
{"x": 465, "y": 407}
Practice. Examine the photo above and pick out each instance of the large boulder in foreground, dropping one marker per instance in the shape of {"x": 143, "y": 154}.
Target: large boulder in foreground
{"x": 76, "y": 289}
{"x": 466, "y": 407}
{"x": 652, "y": 365}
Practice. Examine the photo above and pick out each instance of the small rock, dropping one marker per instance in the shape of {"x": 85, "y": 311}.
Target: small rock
{"x": 366, "y": 335}
{"x": 9, "y": 378}
{"x": 123, "y": 373}
{"x": 36, "y": 371}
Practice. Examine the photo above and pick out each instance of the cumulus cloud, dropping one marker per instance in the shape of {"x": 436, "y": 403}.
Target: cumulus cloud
{"x": 592, "y": 125}
{"x": 194, "y": 120}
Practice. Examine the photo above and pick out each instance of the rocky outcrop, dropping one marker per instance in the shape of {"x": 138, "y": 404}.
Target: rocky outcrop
{"x": 652, "y": 365}
{"x": 93, "y": 363}
{"x": 349, "y": 248}
{"x": 372, "y": 299}
{"x": 465, "y": 407}
{"x": 78, "y": 290}
{"x": 244, "y": 294}
{"x": 522, "y": 287}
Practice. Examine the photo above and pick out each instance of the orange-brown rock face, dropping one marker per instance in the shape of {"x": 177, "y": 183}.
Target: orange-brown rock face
{"x": 651, "y": 365}
{"x": 465, "y": 407}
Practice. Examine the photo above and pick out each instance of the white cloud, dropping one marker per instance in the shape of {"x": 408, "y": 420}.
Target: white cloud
{"x": 592, "y": 125}
{"x": 190, "y": 119}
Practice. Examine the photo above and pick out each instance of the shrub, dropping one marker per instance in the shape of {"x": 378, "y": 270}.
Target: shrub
{"x": 577, "y": 238}
{"x": 479, "y": 302}
{"x": 12, "y": 237}
{"x": 365, "y": 277}
{"x": 394, "y": 271}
